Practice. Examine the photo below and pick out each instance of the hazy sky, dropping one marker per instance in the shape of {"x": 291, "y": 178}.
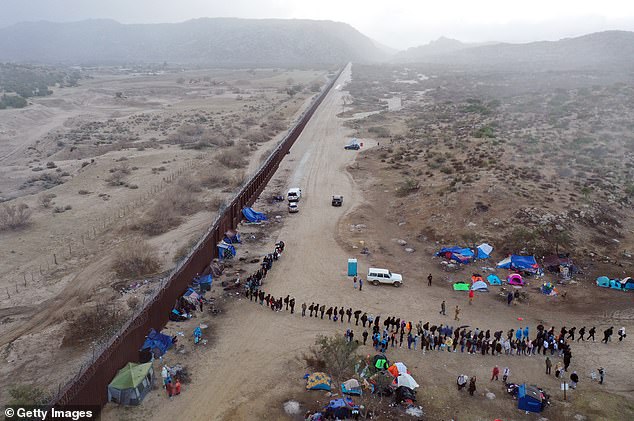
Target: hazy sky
{"x": 396, "y": 23}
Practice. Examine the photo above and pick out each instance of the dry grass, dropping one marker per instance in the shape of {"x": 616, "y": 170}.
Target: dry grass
{"x": 236, "y": 157}
{"x": 91, "y": 324}
{"x": 177, "y": 201}
{"x": 135, "y": 259}
{"x": 14, "y": 216}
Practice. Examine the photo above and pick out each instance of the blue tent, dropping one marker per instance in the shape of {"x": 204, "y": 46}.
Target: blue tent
{"x": 253, "y": 216}
{"x": 226, "y": 251}
{"x": 459, "y": 254}
{"x": 518, "y": 262}
{"x": 204, "y": 282}
{"x": 157, "y": 343}
{"x": 603, "y": 281}
{"x": 484, "y": 251}
{"x": 494, "y": 280}
{"x": 529, "y": 398}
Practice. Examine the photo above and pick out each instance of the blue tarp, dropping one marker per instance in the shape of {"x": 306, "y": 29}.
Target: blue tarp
{"x": 205, "y": 280}
{"x": 518, "y": 262}
{"x": 157, "y": 343}
{"x": 225, "y": 251}
{"x": 459, "y": 254}
{"x": 484, "y": 251}
{"x": 529, "y": 398}
{"x": 253, "y": 216}
{"x": 232, "y": 237}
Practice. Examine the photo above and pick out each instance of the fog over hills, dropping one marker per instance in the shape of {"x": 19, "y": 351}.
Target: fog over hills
{"x": 208, "y": 41}
{"x": 280, "y": 42}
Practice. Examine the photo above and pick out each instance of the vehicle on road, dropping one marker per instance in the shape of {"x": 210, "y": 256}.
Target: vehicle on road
{"x": 353, "y": 146}
{"x": 337, "y": 200}
{"x": 292, "y": 207}
{"x": 378, "y": 276}
{"x": 294, "y": 194}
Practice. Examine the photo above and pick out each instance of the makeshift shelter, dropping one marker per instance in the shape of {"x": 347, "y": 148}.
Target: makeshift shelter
{"x": 627, "y": 284}
{"x": 405, "y": 394}
{"x": 529, "y": 398}
{"x": 461, "y": 286}
{"x": 494, "y": 280}
{"x": 226, "y": 251}
{"x": 131, "y": 384}
{"x": 516, "y": 262}
{"x": 397, "y": 368}
{"x": 515, "y": 279}
{"x": 191, "y": 297}
{"x": 318, "y": 381}
{"x": 480, "y": 286}
{"x": 553, "y": 262}
{"x": 232, "y": 237}
{"x": 351, "y": 387}
{"x": 484, "y": 251}
{"x": 407, "y": 381}
{"x": 253, "y": 216}
{"x": 156, "y": 344}
{"x": 380, "y": 362}
{"x": 603, "y": 281}
{"x": 339, "y": 409}
{"x": 204, "y": 282}
{"x": 458, "y": 254}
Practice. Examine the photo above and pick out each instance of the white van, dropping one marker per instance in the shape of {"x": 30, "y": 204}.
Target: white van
{"x": 383, "y": 276}
{"x": 294, "y": 194}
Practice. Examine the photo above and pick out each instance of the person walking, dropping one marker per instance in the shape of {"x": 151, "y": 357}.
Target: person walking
{"x": 457, "y": 315}
{"x": 429, "y": 278}
{"x": 495, "y": 373}
{"x": 329, "y": 313}
{"x": 357, "y": 313}
{"x": 591, "y": 333}
{"x": 582, "y": 332}
{"x": 365, "y": 336}
{"x": 509, "y": 298}
{"x": 574, "y": 379}
{"x": 287, "y": 299}
{"x": 291, "y": 304}
{"x": 442, "y": 308}
{"x": 549, "y": 365}
{"x": 322, "y": 309}
{"x": 472, "y": 385}
{"x": 471, "y": 295}
{"x": 354, "y": 282}
{"x": 349, "y": 314}
{"x": 506, "y": 373}
{"x": 621, "y": 333}
{"x": 607, "y": 334}
{"x": 571, "y": 333}
{"x": 601, "y": 375}
{"x": 304, "y": 309}
{"x": 360, "y": 284}
{"x": 311, "y": 308}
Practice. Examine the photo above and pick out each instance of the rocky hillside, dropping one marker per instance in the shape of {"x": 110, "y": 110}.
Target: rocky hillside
{"x": 207, "y": 41}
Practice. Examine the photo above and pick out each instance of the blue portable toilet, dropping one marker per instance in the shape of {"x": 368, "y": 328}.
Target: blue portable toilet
{"x": 529, "y": 398}
{"x": 352, "y": 267}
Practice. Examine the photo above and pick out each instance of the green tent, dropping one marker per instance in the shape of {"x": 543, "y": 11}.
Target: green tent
{"x": 461, "y": 286}
{"x": 131, "y": 384}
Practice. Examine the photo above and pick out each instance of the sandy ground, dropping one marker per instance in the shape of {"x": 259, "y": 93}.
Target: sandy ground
{"x": 254, "y": 361}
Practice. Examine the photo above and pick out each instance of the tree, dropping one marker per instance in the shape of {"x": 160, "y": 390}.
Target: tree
{"x": 334, "y": 353}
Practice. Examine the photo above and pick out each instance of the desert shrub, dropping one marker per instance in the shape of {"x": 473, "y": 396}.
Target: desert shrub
{"x": 135, "y": 258}
{"x": 91, "y": 324}
{"x": 235, "y": 157}
{"x": 83, "y": 192}
{"x": 407, "y": 187}
{"x": 189, "y": 184}
{"x": 333, "y": 354}
{"x": 159, "y": 219}
{"x": 14, "y": 216}
{"x": 46, "y": 200}
{"x": 379, "y": 131}
{"x": 50, "y": 165}
{"x": 133, "y": 302}
{"x": 26, "y": 394}
{"x": 118, "y": 175}
{"x": 214, "y": 180}
{"x": 257, "y": 136}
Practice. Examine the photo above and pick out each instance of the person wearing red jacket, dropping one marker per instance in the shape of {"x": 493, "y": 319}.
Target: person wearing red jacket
{"x": 495, "y": 373}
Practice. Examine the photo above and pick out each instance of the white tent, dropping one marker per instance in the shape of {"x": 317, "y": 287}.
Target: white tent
{"x": 352, "y": 384}
{"x": 479, "y": 286}
{"x": 402, "y": 369}
{"x": 407, "y": 381}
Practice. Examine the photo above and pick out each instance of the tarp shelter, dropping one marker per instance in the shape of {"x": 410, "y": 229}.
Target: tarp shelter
{"x": 339, "y": 409}
{"x": 529, "y": 398}
{"x": 484, "y": 251}
{"x": 226, "y": 251}
{"x": 156, "y": 344}
{"x": 519, "y": 262}
{"x": 627, "y": 284}
{"x": 552, "y": 262}
{"x": 407, "y": 381}
{"x": 494, "y": 280}
{"x": 351, "y": 387}
{"x": 480, "y": 286}
{"x": 204, "y": 282}
{"x": 131, "y": 384}
{"x": 603, "y": 281}
{"x": 232, "y": 237}
{"x": 318, "y": 381}
{"x": 515, "y": 279}
{"x": 404, "y": 394}
{"x": 461, "y": 286}
{"x": 253, "y": 216}
{"x": 459, "y": 254}
{"x": 191, "y": 297}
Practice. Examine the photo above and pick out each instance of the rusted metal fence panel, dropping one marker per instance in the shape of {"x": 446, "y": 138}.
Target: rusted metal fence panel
{"x": 89, "y": 386}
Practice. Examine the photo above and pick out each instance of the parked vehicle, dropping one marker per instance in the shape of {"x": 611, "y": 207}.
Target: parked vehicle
{"x": 292, "y": 207}
{"x": 353, "y": 146}
{"x": 337, "y": 200}
{"x": 294, "y": 194}
{"x": 378, "y": 276}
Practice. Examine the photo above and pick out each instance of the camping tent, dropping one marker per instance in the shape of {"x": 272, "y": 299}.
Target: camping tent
{"x": 131, "y": 384}
{"x": 615, "y": 284}
{"x": 155, "y": 344}
{"x": 484, "y": 251}
{"x": 515, "y": 279}
{"x": 603, "y": 281}
{"x": 461, "y": 286}
{"x": 480, "y": 286}
{"x": 253, "y": 216}
{"x": 351, "y": 387}
{"x": 529, "y": 398}
{"x": 494, "y": 280}
{"x": 459, "y": 254}
{"x": 397, "y": 368}
{"x": 627, "y": 283}
{"x": 476, "y": 277}
{"x": 407, "y": 381}
{"x": 519, "y": 263}
{"x": 318, "y": 381}
{"x": 380, "y": 362}
{"x": 226, "y": 251}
